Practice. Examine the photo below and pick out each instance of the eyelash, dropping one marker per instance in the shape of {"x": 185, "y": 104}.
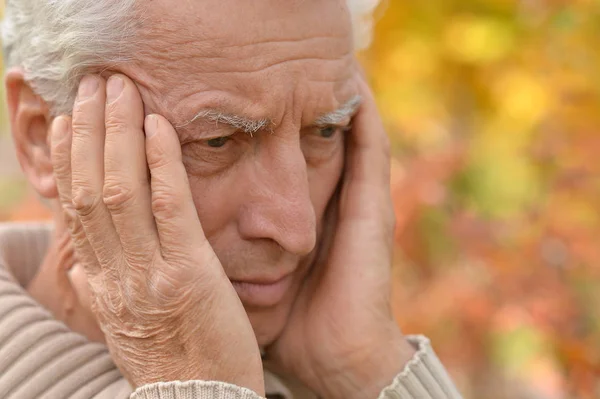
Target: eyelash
{"x": 222, "y": 141}
{"x": 335, "y": 130}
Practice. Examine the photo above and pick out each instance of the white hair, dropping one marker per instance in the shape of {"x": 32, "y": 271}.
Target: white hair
{"x": 56, "y": 42}
{"x": 362, "y": 21}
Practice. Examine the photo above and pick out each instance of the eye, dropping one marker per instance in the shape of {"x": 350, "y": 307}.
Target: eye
{"x": 328, "y": 131}
{"x": 217, "y": 142}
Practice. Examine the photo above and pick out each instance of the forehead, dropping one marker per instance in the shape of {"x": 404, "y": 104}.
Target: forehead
{"x": 246, "y": 56}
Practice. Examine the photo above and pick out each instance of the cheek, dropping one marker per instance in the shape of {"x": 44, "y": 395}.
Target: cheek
{"x": 323, "y": 181}
{"x": 218, "y": 198}
{"x": 215, "y": 204}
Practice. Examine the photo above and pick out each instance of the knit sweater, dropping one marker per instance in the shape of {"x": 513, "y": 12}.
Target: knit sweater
{"x": 41, "y": 358}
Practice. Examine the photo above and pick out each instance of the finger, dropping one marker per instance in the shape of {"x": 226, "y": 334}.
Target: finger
{"x": 60, "y": 152}
{"x": 369, "y": 146}
{"x": 366, "y": 214}
{"x": 60, "y": 144}
{"x": 327, "y": 236}
{"x": 88, "y": 171}
{"x": 126, "y": 184}
{"x": 172, "y": 204}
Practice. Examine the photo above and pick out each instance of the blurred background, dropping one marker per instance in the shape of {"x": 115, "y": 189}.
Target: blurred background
{"x": 493, "y": 107}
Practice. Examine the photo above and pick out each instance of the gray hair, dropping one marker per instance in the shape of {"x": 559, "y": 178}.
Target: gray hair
{"x": 56, "y": 42}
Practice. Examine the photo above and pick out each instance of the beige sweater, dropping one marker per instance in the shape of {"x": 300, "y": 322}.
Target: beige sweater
{"x": 41, "y": 358}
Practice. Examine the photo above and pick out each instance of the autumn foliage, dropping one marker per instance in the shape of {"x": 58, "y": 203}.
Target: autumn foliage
{"x": 493, "y": 107}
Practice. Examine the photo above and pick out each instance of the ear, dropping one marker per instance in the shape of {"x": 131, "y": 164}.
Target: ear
{"x": 30, "y": 121}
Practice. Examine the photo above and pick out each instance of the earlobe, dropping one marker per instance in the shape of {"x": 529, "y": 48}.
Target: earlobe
{"x": 29, "y": 122}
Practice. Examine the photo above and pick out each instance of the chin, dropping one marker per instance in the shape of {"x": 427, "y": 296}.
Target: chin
{"x": 268, "y": 324}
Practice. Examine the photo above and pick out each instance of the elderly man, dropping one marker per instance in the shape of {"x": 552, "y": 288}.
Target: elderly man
{"x": 219, "y": 179}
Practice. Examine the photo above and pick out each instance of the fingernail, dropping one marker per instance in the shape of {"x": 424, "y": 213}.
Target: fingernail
{"x": 114, "y": 88}
{"x": 87, "y": 87}
{"x": 60, "y": 128}
{"x": 150, "y": 125}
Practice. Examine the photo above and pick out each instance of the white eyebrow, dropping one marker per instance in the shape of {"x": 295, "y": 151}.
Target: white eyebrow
{"x": 246, "y": 125}
{"x": 340, "y": 115}
{"x": 252, "y": 126}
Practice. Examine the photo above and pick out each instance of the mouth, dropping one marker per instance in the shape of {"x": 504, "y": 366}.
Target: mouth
{"x": 262, "y": 292}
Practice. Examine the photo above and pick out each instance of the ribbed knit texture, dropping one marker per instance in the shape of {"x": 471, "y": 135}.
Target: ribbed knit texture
{"x": 39, "y": 356}
{"x": 193, "y": 390}
{"x": 424, "y": 377}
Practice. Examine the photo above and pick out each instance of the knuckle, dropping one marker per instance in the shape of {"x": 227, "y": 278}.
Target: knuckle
{"x": 143, "y": 256}
{"x": 85, "y": 201}
{"x": 61, "y": 165}
{"x": 117, "y": 194}
{"x": 82, "y": 128}
{"x": 81, "y": 122}
{"x": 60, "y": 152}
{"x": 166, "y": 204}
{"x": 156, "y": 156}
{"x": 77, "y": 229}
{"x": 115, "y": 123}
{"x": 74, "y": 224}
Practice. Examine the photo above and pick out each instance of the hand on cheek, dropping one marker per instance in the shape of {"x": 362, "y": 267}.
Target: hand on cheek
{"x": 156, "y": 286}
{"x": 342, "y": 339}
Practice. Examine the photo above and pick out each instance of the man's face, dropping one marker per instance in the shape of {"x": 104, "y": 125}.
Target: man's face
{"x": 216, "y": 68}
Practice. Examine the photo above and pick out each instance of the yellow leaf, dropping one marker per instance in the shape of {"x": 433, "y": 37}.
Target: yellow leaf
{"x": 477, "y": 40}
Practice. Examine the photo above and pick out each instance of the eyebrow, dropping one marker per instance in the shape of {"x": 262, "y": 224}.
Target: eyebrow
{"x": 341, "y": 115}
{"x": 244, "y": 124}
{"x": 252, "y": 126}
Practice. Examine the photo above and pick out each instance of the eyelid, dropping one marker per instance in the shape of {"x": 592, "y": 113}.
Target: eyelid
{"x": 218, "y": 136}
{"x": 343, "y": 129}
{"x": 340, "y": 128}
{"x": 205, "y": 138}
{"x": 343, "y": 124}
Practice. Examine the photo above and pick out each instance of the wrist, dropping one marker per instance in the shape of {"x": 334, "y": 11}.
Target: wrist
{"x": 367, "y": 371}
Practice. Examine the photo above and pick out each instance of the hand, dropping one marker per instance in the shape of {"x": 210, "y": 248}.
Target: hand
{"x": 160, "y": 294}
{"x": 341, "y": 339}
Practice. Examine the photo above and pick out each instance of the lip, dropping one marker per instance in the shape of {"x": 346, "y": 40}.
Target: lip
{"x": 262, "y": 292}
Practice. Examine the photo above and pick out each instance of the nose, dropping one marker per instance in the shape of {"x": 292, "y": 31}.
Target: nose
{"x": 278, "y": 206}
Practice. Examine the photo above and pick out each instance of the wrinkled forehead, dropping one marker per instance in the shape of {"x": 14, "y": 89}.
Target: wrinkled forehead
{"x": 220, "y": 24}
{"x": 232, "y": 46}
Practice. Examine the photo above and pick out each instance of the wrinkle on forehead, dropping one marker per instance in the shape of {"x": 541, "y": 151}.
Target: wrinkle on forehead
{"x": 250, "y": 55}
{"x": 224, "y": 28}
{"x": 250, "y": 58}
{"x": 247, "y": 22}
